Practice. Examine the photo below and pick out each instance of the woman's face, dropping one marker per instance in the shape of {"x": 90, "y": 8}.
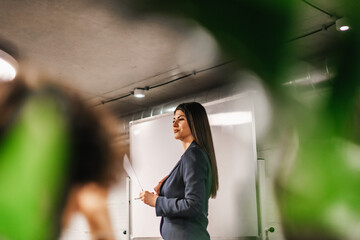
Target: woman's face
{"x": 181, "y": 127}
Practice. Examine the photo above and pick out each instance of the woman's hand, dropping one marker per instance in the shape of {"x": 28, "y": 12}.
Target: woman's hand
{"x": 91, "y": 200}
{"x": 157, "y": 187}
{"x": 148, "y": 198}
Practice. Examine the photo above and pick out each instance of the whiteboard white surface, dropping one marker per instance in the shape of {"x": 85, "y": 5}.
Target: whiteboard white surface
{"x": 154, "y": 152}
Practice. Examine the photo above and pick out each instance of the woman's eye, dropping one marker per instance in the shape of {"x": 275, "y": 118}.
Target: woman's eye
{"x": 178, "y": 119}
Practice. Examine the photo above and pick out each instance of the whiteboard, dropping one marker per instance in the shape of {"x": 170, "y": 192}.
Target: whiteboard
{"x": 154, "y": 152}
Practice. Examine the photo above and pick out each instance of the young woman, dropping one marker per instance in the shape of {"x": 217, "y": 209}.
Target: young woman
{"x": 182, "y": 197}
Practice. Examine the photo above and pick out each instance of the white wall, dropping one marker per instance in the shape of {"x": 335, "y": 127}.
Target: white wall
{"x": 271, "y": 215}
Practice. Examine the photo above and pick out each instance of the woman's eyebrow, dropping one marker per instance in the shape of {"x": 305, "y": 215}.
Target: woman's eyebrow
{"x": 179, "y": 116}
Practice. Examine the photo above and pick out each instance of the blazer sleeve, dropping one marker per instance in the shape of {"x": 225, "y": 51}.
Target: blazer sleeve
{"x": 195, "y": 173}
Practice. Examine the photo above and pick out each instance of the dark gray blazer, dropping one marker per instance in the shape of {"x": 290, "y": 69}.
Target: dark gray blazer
{"x": 184, "y": 196}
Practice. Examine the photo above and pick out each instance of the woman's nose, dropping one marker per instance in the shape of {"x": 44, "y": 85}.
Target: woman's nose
{"x": 175, "y": 123}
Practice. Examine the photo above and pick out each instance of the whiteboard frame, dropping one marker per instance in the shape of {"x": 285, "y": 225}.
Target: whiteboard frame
{"x": 251, "y": 95}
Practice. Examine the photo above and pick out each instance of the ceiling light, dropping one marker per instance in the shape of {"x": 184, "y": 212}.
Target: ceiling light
{"x": 342, "y": 24}
{"x": 139, "y": 92}
{"x": 8, "y": 66}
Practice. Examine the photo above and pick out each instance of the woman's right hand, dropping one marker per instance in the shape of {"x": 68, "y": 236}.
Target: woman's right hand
{"x": 148, "y": 198}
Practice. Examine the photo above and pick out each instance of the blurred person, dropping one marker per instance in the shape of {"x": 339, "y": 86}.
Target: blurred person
{"x": 56, "y": 158}
{"x": 182, "y": 197}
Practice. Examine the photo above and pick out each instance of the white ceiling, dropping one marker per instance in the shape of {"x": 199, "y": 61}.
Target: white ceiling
{"x": 105, "y": 53}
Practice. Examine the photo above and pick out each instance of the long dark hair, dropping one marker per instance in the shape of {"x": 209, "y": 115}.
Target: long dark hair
{"x": 200, "y": 129}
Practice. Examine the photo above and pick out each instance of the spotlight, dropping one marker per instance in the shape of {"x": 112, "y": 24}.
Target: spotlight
{"x": 139, "y": 92}
{"x": 342, "y": 24}
{"x": 8, "y": 66}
